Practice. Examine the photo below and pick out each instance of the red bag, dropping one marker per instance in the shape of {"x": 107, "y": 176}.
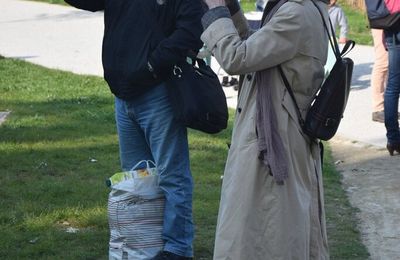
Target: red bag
{"x": 384, "y": 14}
{"x": 393, "y": 6}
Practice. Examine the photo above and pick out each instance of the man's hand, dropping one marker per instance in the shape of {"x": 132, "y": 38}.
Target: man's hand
{"x": 214, "y": 3}
{"x": 342, "y": 40}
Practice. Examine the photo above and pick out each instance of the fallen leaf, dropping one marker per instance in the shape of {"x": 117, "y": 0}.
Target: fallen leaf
{"x": 72, "y": 230}
{"x": 33, "y": 241}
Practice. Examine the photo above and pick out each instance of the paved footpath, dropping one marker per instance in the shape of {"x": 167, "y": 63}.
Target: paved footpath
{"x": 69, "y": 39}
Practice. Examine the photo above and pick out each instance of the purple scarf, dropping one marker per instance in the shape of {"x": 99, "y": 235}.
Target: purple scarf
{"x": 270, "y": 145}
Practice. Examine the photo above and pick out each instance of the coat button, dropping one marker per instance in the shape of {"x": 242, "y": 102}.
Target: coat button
{"x": 239, "y": 109}
{"x": 248, "y": 76}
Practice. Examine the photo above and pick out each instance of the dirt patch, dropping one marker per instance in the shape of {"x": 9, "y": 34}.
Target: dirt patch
{"x": 371, "y": 179}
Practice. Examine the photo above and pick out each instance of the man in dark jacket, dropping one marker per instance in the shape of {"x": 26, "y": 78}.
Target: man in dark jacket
{"x": 142, "y": 41}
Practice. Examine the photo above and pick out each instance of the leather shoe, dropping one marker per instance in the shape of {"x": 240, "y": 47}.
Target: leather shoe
{"x": 392, "y": 148}
{"x": 233, "y": 82}
{"x": 378, "y": 116}
{"x": 225, "y": 81}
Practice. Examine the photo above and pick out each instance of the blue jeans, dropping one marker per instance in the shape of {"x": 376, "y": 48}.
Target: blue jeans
{"x": 392, "y": 88}
{"x": 147, "y": 130}
{"x": 259, "y": 8}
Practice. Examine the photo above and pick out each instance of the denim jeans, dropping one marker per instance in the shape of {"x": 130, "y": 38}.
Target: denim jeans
{"x": 147, "y": 130}
{"x": 392, "y": 91}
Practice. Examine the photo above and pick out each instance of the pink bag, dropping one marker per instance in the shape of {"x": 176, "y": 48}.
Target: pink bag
{"x": 393, "y": 5}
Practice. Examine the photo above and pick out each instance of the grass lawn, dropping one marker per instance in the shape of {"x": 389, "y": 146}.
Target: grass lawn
{"x": 358, "y": 25}
{"x": 58, "y": 146}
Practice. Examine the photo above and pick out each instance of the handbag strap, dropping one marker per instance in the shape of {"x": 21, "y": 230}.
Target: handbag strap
{"x": 177, "y": 71}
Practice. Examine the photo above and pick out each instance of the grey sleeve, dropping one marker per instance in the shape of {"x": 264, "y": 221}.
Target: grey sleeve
{"x": 343, "y": 24}
{"x": 214, "y": 14}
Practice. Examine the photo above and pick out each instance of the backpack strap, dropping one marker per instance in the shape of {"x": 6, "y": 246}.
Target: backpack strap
{"x": 338, "y": 54}
{"x": 270, "y": 9}
{"x": 332, "y": 37}
{"x": 331, "y": 34}
{"x": 289, "y": 89}
{"x": 348, "y": 46}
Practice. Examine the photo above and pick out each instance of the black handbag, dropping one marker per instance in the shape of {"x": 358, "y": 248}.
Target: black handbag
{"x": 197, "y": 97}
{"x": 327, "y": 108}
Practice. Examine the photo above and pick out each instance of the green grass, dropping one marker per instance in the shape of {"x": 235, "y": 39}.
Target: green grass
{"x": 358, "y": 25}
{"x": 58, "y": 124}
{"x": 343, "y": 234}
{"x": 49, "y": 182}
{"x": 247, "y": 5}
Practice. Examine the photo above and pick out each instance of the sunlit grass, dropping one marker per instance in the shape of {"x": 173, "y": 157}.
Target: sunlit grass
{"x": 56, "y": 156}
{"x": 358, "y": 25}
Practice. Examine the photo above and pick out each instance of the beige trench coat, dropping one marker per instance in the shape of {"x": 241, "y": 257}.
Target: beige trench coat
{"x": 259, "y": 219}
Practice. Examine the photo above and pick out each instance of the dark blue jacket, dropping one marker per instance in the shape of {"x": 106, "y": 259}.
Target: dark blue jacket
{"x": 143, "y": 39}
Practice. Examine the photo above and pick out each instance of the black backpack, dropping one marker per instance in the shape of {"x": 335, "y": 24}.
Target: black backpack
{"x": 327, "y": 108}
{"x": 379, "y": 16}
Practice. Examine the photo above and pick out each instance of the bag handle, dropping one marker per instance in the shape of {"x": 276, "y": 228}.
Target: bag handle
{"x": 348, "y": 46}
{"x": 177, "y": 70}
{"x": 149, "y": 163}
{"x": 331, "y": 34}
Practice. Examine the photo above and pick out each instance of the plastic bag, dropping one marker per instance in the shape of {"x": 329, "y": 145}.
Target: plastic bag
{"x": 135, "y": 213}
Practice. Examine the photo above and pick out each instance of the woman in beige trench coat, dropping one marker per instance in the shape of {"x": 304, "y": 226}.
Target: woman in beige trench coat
{"x": 272, "y": 203}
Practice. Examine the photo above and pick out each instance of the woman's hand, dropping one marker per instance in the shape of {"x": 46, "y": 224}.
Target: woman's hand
{"x": 214, "y": 3}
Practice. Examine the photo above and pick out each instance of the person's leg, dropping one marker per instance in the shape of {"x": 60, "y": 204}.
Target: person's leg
{"x": 260, "y": 5}
{"x": 392, "y": 89}
{"x": 379, "y": 71}
{"x": 132, "y": 143}
{"x": 168, "y": 142}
